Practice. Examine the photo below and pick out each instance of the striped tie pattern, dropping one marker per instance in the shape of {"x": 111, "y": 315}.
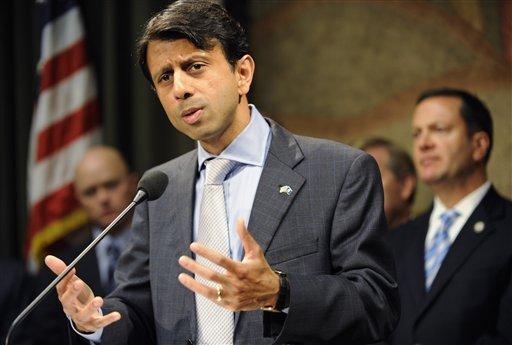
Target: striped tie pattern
{"x": 439, "y": 247}
{"x": 215, "y": 324}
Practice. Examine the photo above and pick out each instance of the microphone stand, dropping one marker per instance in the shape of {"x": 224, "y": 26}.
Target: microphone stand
{"x": 141, "y": 194}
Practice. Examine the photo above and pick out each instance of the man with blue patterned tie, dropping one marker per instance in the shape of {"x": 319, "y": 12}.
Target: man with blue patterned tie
{"x": 454, "y": 263}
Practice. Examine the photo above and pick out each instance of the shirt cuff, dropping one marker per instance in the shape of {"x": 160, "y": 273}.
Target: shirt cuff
{"x": 95, "y": 337}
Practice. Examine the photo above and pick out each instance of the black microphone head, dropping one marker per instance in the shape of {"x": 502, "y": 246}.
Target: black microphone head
{"x": 153, "y": 183}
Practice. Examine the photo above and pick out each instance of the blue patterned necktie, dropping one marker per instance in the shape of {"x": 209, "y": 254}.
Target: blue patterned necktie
{"x": 439, "y": 247}
{"x": 215, "y": 324}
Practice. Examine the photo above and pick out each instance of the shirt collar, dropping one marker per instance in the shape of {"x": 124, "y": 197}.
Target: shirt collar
{"x": 466, "y": 205}
{"x": 249, "y": 147}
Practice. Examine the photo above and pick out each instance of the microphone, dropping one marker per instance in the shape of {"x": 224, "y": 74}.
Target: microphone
{"x": 151, "y": 186}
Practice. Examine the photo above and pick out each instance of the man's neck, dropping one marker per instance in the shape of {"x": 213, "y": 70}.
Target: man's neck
{"x": 242, "y": 117}
{"x": 401, "y": 218}
{"x": 451, "y": 192}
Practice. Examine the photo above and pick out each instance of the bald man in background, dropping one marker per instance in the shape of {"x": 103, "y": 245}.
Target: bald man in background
{"x": 104, "y": 186}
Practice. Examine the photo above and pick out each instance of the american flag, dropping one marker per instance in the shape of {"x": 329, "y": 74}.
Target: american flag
{"x": 66, "y": 121}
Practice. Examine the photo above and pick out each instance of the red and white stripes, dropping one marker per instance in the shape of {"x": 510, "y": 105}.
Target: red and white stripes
{"x": 66, "y": 122}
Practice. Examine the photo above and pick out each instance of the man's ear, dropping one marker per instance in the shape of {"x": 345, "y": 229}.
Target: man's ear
{"x": 481, "y": 143}
{"x": 133, "y": 180}
{"x": 408, "y": 187}
{"x": 244, "y": 70}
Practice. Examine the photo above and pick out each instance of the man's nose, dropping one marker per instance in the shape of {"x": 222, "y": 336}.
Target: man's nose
{"x": 182, "y": 87}
{"x": 424, "y": 141}
{"x": 103, "y": 195}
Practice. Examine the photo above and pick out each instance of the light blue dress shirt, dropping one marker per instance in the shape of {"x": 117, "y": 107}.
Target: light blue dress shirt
{"x": 250, "y": 149}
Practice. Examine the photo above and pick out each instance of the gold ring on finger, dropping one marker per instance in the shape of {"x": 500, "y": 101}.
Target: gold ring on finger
{"x": 219, "y": 293}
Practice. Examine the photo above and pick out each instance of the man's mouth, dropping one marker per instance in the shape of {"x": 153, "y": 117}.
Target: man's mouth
{"x": 191, "y": 115}
{"x": 426, "y": 161}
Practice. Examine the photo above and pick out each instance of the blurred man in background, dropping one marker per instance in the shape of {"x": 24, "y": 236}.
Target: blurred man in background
{"x": 398, "y": 179}
{"x": 454, "y": 262}
{"x": 104, "y": 186}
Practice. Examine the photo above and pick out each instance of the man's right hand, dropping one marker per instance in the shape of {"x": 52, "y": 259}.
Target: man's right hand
{"x": 78, "y": 300}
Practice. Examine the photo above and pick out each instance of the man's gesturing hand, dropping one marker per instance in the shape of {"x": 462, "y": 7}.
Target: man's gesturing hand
{"x": 246, "y": 285}
{"x": 78, "y": 300}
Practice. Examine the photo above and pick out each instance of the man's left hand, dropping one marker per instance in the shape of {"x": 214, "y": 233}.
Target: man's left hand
{"x": 245, "y": 285}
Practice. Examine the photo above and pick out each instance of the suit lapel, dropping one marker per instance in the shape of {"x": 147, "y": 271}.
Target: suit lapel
{"x": 270, "y": 202}
{"x": 88, "y": 268}
{"x": 415, "y": 260}
{"x": 465, "y": 243}
{"x": 178, "y": 235}
{"x": 270, "y": 205}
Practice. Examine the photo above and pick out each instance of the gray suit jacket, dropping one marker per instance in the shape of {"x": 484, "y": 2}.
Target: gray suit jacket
{"x": 327, "y": 235}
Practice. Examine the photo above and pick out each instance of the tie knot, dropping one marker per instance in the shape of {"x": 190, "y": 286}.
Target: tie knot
{"x": 217, "y": 169}
{"x": 448, "y": 217}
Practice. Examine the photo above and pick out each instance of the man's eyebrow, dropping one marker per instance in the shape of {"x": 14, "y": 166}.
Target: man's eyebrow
{"x": 194, "y": 57}
{"x": 183, "y": 63}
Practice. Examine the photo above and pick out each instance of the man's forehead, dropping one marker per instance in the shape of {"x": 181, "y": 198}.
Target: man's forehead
{"x": 438, "y": 108}
{"x": 182, "y": 45}
{"x": 99, "y": 174}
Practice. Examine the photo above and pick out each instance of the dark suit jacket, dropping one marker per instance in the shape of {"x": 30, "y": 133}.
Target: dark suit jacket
{"x": 48, "y": 323}
{"x": 470, "y": 300}
{"x": 327, "y": 235}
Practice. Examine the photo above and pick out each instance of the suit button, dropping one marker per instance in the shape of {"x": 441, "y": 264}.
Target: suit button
{"x": 190, "y": 342}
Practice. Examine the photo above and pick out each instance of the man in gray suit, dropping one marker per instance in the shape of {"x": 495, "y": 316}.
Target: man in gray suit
{"x": 303, "y": 258}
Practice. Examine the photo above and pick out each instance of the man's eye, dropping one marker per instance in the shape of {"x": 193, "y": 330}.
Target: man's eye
{"x": 196, "y": 67}
{"x": 89, "y": 192}
{"x": 165, "y": 77}
{"x": 112, "y": 184}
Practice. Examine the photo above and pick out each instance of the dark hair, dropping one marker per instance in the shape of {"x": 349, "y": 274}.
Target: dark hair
{"x": 203, "y": 23}
{"x": 400, "y": 163}
{"x": 473, "y": 111}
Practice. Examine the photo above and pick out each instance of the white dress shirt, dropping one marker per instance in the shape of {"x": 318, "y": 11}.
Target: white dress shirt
{"x": 464, "y": 207}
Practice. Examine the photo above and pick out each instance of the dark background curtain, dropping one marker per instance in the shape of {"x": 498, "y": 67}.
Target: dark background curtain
{"x": 133, "y": 120}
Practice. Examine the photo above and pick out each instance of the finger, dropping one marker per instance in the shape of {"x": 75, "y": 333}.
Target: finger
{"x": 195, "y": 286}
{"x": 97, "y": 322}
{"x": 56, "y": 265}
{"x": 202, "y": 271}
{"x": 106, "y": 320}
{"x": 214, "y": 256}
{"x": 89, "y": 312}
{"x": 249, "y": 243}
{"x": 69, "y": 299}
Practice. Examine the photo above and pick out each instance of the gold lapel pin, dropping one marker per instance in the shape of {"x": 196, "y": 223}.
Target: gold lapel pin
{"x": 479, "y": 227}
{"x": 285, "y": 190}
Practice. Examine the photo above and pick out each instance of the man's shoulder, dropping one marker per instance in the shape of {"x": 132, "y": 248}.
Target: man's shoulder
{"x": 414, "y": 227}
{"x": 189, "y": 158}
{"x": 314, "y": 147}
